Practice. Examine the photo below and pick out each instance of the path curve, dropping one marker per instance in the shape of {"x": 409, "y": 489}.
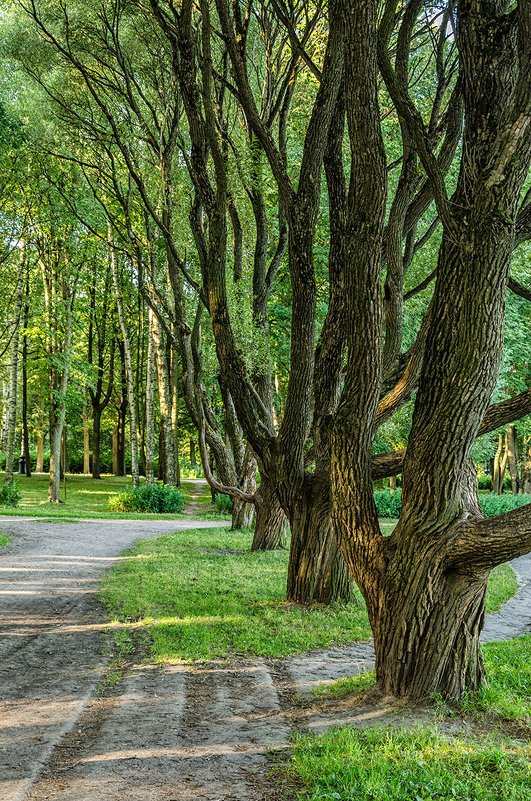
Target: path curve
{"x": 162, "y": 734}
{"x": 51, "y": 631}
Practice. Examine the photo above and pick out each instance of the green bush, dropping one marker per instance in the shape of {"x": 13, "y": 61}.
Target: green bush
{"x": 388, "y": 503}
{"x": 485, "y": 482}
{"x": 224, "y": 503}
{"x": 10, "y": 495}
{"x": 189, "y": 470}
{"x": 498, "y": 504}
{"x": 158, "y": 498}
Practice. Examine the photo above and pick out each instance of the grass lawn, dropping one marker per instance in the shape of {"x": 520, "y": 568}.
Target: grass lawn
{"x": 390, "y": 764}
{"x": 202, "y": 594}
{"x": 87, "y": 498}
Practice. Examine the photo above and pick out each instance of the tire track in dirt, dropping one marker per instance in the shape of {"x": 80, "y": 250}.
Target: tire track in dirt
{"x": 52, "y": 632}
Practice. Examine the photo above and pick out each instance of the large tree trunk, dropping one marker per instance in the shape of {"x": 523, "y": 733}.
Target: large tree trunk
{"x": 271, "y": 529}
{"x": 317, "y": 572}
{"x": 96, "y": 439}
{"x": 426, "y": 637}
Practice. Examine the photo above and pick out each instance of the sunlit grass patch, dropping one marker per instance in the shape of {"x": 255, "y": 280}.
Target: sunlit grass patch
{"x": 348, "y": 685}
{"x": 508, "y": 667}
{"x": 502, "y": 586}
{"x": 394, "y": 765}
{"x": 198, "y": 603}
{"x": 4, "y": 540}
{"x": 85, "y": 497}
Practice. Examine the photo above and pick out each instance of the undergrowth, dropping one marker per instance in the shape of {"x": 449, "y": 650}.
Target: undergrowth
{"x": 158, "y": 498}
{"x": 388, "y": 764}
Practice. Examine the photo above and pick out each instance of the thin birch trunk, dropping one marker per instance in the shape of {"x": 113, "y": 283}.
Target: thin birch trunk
{"x": 512, "y": 458}
{"x": 25, "y": 429}
{"x": 165, "y": 402}
{"x": 150, "y": 418}
{"x": 174, "y": 376}
{"x": 59, "y": 413}
{"x": 39, "y": 466}
{"x": 13, "y": 369}
{"x": 128, "y": 361}
{"x": 86, "y": 441}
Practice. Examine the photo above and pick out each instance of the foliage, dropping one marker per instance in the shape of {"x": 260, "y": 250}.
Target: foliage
{"x": 158, "y": 498}
{"x": 10, "y": 494}
{"x": 224, "y": 503}
{"x": 189, "y": 470}
{"x": 499, "y": 504}
{"x": 202, "y": 595}
{"x": 383, "y": 764}
{"x": 4, "y": 540}
{"x": 389, "y": 504}
{"x": 485, "y": 482}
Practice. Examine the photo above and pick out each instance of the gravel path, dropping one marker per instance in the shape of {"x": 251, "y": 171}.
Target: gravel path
{"x": 158, "y": 734}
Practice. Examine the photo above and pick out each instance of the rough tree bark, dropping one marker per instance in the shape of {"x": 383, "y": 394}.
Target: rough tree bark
{"x": 425, "y": 584}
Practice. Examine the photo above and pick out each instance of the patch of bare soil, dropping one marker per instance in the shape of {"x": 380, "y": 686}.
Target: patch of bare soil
{"x": 73, "y": 729}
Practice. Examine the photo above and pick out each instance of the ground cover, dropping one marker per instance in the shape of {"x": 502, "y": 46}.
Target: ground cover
{"x": 86, "y": 497}
{"x": 199, "y": 595}
{"x": 4, "y": 540}
{"x": 388, "y": 764}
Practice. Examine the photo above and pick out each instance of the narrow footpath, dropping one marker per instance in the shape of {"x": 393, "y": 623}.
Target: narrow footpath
{"x": 71, "y": 731}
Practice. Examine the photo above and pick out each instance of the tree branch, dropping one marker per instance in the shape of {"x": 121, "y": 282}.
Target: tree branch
{"x": 493, "y": 540}
{"x": 234, "y": 492}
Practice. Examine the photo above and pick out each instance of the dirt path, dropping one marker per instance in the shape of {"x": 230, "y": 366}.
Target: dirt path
{"x": 157, "y": 734}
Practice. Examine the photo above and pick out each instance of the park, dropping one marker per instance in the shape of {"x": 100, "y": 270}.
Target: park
{"x": 265, "y": 400}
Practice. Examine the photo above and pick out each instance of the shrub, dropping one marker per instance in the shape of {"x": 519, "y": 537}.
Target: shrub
{"x": 10, "y": 495}
{"x": 485, "y": 482}
{"x": 388, "y": 503}
{"x": 158, "y": 498}
{"x": 498, "y": 504}
{"x": 224, "y": 503}
{"x": 189, "y": 470}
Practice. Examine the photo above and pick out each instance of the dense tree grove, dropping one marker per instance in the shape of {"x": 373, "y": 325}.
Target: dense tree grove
{"x": 290, "y": 238}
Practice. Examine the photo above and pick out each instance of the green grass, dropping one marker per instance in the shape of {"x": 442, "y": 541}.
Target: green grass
{"x": 196, "y": 604}
{"x": 394, "y": 765}
{"x": 85, "y": 498}
{"x": 508, "y": 694}
{"x": 4, "y": 540}
{"x": 502, "y": 586}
